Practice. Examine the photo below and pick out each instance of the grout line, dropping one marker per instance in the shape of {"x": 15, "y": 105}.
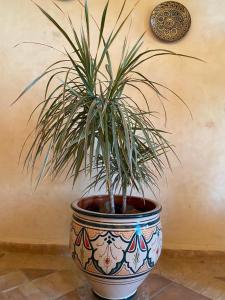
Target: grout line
{"x": 14, "y": 287}
{"x": 181, "y": 283}
{"x": 18, "y": 285}
{"x": 35, "y": 279}
{"x": 160, "y": 291}
{"x": 63, "y": 295}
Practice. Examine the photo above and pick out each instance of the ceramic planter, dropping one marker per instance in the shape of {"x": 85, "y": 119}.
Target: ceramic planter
{"x": 116, "y": 252}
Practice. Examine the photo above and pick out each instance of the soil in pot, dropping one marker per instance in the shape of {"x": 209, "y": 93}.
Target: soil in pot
{"x": 101, "y": 204}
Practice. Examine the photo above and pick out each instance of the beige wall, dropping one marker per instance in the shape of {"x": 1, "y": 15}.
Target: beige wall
{"x": 193, "y": 197}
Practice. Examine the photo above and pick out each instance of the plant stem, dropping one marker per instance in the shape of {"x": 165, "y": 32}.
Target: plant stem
{"x": 112, "y": 201}
{"x": 124, "y": 192}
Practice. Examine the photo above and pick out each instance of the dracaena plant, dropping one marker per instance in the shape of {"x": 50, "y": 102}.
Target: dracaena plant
{"x": 88, "y": 121}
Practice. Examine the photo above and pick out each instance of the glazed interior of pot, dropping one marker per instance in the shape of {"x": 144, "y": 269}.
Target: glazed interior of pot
{"x": 101, "y": 204}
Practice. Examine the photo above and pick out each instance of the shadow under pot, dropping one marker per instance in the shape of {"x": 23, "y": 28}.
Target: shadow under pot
{"x": 115, "y": 251}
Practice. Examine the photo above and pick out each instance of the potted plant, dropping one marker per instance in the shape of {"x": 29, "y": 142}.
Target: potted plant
{"x": 89, "y": 122}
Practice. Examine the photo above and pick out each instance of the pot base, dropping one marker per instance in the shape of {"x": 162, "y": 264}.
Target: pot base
{"x": 102, "y": 298}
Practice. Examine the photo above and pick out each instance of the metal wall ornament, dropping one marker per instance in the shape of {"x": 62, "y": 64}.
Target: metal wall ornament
{"x": 170, "y": 21}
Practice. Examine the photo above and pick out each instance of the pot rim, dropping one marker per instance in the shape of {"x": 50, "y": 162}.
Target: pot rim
{"x": 155, "y": 211}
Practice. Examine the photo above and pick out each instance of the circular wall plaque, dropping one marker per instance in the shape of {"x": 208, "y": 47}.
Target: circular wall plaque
{"x": 170, "y": 21}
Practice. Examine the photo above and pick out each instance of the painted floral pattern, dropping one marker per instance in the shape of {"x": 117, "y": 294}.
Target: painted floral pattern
{"x": 83, "y": 248}
{"x": 154, "y": 247}
{"x": 108, "y": 252}
{"x": 136, "y": 253}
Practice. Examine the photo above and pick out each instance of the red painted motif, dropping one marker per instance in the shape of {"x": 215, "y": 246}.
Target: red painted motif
{"x": 87, "y": 244}
{"x": 142, "y": 243}
{"x": 133, "y": 245}
{"x": 78, "y": 239}
{"x": 107, "y": 261}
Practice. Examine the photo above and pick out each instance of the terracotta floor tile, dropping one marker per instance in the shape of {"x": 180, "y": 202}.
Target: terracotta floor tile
{"x": 221, "y": 297}
{"x": 2, "y": 297}
{"x": 32, "y": 274}
{"x": 153, "y": 284}
{"x": 12, "y": 280}
{"x": 31, "y": 292}
{"x": 204, "y": 275}
{"x": 81, "y": 293}
{"x": 57, "y": 284}
{"x": 178, "y": 292}
{"x": 85, "y": 293}
{"x": 215, "y": 289}
{"x": 196, "y": 273}
{"x": 76, "y": 279}
{"x": 14, "y": 294}
{"x": 71, "y": 296}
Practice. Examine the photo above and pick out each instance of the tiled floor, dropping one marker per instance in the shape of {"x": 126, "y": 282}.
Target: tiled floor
{"x": 45, "y": 277}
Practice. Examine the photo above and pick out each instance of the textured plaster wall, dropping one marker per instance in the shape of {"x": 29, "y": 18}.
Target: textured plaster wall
{"x": 193, "y": 197}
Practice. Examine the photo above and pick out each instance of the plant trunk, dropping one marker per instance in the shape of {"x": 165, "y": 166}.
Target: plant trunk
{"x": 124, "y": 192}
{"x": 112, "y": 202}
